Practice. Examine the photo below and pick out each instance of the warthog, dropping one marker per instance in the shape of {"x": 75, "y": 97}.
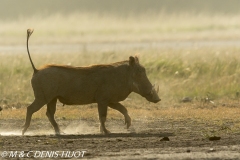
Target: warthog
{"x": 104, "y": 84}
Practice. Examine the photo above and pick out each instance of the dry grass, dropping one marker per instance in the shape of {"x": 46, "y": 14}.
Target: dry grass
{"x": 191, "y": 112}
{"x": 180, "y": 71}
{"x": 177, "y": 111}
{"x": 195, "y": 73}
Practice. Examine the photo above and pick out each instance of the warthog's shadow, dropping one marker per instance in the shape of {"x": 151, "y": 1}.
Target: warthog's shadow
{"x": 112, "y": 135}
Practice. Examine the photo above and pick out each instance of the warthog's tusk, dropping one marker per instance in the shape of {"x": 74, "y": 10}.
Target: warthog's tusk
{"x": 153, "y": 88}
{"x": 157, "y": 89}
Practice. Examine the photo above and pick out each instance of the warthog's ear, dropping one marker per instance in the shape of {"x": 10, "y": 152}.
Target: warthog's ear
{"x": 131, "y": 61}
{"x": 136, "y": 59}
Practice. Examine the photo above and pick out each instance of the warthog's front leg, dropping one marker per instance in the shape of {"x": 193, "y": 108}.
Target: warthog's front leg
{"x": 119, "y": 107}
{"x": 102, "y": 111}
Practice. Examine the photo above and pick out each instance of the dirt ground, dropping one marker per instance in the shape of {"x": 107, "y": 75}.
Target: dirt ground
{"x": 144, "y": 140}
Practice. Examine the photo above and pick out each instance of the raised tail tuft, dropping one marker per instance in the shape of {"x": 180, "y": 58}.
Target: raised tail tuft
{"x": 29, "y": 32}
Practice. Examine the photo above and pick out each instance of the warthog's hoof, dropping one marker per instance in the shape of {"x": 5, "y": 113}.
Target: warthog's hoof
{"x": 23, "y": 132}
{"x": 58, "y": 133}
{"x": 128, "y": 121}
{"x": 104, "y": 131}
{"x": 107, "y": 132}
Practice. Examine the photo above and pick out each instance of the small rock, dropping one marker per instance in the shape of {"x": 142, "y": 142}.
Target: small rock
{"x": 211, "y": 102}
{"x": 70, "y": 141}
{"x": 119, "y": 139}
{"x": 165, "y": 139}
{"x": 214, "y": 138}
{"x": 188, "y": 150}
{"x": 186, "y": 99}
{"x": 211, "y": 150}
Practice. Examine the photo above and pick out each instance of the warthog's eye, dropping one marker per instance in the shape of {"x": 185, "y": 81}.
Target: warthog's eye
{"x": 144, "y": 70}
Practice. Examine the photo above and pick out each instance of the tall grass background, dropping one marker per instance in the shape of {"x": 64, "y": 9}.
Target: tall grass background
{"x": 179, "y": 73}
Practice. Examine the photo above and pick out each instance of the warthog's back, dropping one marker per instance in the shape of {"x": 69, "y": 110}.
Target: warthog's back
{"x": 83, "y": 85}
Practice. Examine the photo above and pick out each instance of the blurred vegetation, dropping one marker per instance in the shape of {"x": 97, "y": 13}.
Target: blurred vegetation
{"x": 85, "y": 21}
{"x": 14, "y": 9}
{"x": 86, "y": 28}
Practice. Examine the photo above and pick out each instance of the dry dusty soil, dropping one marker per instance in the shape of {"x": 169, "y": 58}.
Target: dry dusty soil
{"x": 144, "y": 140}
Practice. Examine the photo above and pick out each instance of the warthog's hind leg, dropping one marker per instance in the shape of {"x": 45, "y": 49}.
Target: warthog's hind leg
{"x": 34, "y": 107}
{"x": 102, "y": 111}
{"x": 51, "y": 109}
{"x": 119, "y": 107}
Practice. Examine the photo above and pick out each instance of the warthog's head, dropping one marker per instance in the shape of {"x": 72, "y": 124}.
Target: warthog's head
{"x": 140, "y": 81}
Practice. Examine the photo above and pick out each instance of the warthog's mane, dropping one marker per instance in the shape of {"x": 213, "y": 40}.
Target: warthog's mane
{"x": 85, "y": 69}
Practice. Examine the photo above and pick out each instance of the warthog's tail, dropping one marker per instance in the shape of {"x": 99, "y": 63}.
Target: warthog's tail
{"x": 29, "y": 32}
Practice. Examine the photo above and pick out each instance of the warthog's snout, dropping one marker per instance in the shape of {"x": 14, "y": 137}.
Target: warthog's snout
{"x": 153, "y": 95}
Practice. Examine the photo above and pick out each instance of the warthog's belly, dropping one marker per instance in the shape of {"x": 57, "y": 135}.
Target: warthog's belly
{"x": 64, "y": 101}
{"x": 72, "y": 101}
